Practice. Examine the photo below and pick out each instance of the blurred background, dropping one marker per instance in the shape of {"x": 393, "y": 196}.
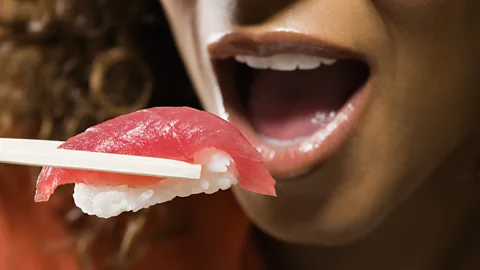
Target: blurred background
{"x": 69, "y": 63}
{"x": 66, "y": 65}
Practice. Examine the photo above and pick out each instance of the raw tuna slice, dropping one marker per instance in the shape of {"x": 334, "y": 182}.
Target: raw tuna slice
{"x": 178, "y": 133}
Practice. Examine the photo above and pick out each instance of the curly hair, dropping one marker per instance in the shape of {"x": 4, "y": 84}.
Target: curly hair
{"x": 69, "y": 64}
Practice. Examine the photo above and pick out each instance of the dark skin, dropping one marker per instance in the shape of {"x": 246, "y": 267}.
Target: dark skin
{"x": 404, "y": 187}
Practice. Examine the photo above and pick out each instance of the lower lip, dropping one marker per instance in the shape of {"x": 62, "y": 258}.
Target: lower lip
{"x": 299, "y": 158}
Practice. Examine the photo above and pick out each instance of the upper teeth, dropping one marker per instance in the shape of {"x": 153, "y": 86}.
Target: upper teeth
{"x": 284, "y": 62}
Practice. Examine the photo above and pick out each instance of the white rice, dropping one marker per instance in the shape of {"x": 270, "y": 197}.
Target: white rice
{"x": 218, "y": 173}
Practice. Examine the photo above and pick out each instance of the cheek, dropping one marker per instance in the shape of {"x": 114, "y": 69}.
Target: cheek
{"x": 178, "y": 11}
{"x": 421, "y": 13}
{"x": 179, "y": 3}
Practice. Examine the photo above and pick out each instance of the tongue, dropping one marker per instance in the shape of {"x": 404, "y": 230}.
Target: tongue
{"x": 294, "y": 104}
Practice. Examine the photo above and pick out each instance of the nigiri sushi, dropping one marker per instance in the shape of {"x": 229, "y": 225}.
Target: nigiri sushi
{"x": 178, "y": 133}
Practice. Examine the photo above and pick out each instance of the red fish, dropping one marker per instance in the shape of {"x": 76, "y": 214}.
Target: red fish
{"x": 163, "y": 132}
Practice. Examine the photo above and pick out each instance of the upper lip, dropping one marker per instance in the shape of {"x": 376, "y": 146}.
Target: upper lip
{"x": 278, "y": 42}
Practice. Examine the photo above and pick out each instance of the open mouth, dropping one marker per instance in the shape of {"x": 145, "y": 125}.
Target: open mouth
{"x": 296, "y": 102}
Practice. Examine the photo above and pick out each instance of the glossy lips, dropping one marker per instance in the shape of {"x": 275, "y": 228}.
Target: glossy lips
{"x": 253, "y": 72}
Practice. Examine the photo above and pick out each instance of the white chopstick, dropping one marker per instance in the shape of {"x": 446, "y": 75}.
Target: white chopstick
{"x": 45, "y": 153}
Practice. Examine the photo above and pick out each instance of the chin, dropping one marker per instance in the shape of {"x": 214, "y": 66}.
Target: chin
{"x": 321, "y": 224}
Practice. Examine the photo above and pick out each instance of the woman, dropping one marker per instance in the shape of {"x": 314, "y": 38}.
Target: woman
{"x": 365, "y": 111}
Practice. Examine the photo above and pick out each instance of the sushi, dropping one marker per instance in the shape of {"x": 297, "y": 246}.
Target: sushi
{"x": 178, "y": 133}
